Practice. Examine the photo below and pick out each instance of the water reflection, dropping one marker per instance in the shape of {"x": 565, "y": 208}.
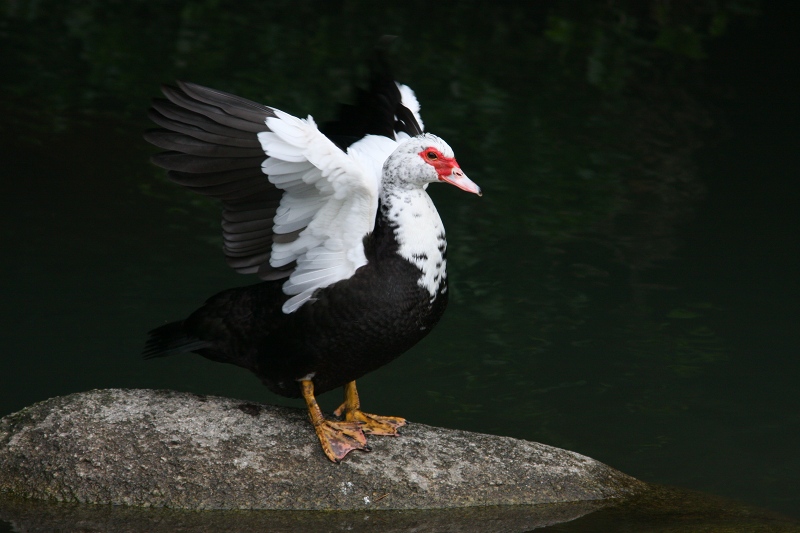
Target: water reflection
{"x": 41, "y": 517}
{"x": 660, "y": 509}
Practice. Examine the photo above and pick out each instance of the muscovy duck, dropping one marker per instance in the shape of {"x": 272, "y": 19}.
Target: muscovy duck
{"x": 337, "y": 224}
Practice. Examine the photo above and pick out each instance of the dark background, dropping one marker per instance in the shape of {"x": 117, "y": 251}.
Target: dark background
{"x": 626, "y": 288}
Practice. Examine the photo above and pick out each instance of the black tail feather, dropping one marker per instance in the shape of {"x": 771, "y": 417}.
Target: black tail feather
{"x": 170, "y": 339}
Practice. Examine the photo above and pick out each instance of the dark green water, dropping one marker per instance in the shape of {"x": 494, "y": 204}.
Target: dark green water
{"x": 626, "y": 288}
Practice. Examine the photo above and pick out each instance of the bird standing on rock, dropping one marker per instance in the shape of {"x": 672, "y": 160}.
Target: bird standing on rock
{"x": 338, "y": 225}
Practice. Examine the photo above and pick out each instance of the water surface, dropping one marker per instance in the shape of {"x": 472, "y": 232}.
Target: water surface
{"x": 626, "y": 288}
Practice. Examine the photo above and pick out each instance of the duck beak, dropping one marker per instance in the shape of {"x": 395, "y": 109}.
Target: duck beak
{"x": 460, "y": 180}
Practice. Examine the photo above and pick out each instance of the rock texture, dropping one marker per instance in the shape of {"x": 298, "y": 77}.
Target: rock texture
{"x": 167, "y": 449}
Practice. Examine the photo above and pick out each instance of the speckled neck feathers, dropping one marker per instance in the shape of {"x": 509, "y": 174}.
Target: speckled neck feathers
{"x": 419, "y": 233}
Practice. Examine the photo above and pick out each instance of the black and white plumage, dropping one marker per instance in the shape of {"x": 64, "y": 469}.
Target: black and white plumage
{"x": 335, "y": 220}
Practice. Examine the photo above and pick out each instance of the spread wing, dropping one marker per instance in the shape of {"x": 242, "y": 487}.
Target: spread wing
{"x": 333, "y": 195}
{"x": 297, "y": 200}
{"x": 214, "y": 150}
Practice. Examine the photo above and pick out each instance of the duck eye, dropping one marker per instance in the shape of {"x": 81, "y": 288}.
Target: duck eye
{"x": 432, "y": 156}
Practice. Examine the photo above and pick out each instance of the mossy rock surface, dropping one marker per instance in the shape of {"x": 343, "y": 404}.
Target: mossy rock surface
{"x": 151, "y": 448}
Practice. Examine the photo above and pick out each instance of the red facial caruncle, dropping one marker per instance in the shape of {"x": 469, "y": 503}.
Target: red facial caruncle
{"x": 448, "y": 170}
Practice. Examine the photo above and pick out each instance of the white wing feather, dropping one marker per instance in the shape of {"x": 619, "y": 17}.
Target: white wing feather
{"x": 333, "y": 194}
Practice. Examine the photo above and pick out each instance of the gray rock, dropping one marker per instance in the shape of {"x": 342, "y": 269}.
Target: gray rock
{"x": 168, "y": 449}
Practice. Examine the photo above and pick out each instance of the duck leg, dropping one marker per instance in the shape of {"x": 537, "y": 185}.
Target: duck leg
{"x": 338, "y": 438}
{"x": 370, "y": 424}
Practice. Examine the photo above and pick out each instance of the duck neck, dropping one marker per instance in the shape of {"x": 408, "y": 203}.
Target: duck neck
{"x": 419, "y": 234}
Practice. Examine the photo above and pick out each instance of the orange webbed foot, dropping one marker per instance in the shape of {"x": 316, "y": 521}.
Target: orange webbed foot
{"x": 338, "y": 438}
{"x": 371, "y": 424}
